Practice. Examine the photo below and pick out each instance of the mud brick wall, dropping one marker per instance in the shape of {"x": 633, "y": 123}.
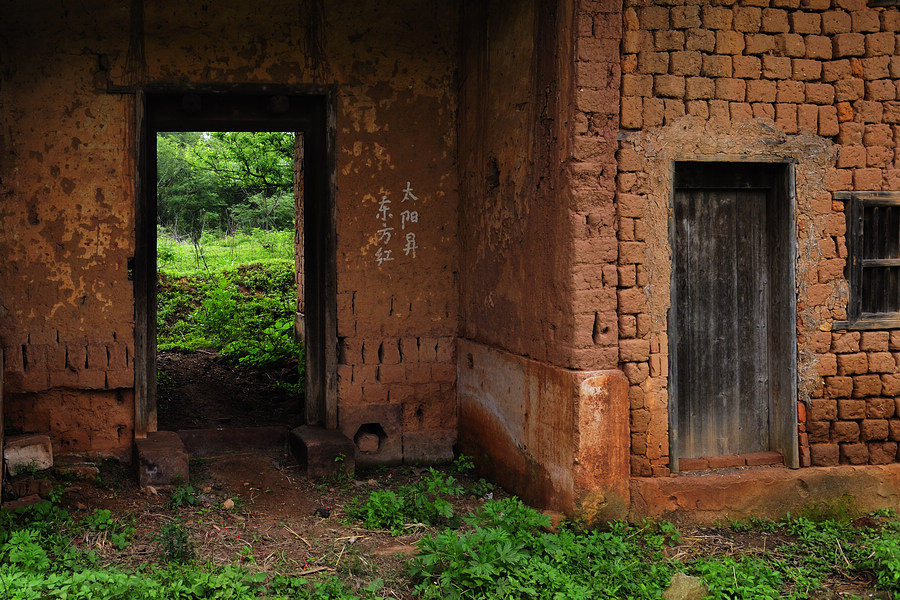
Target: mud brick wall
{"x": 814, "y": 81}
{"x": 67, "y": 196}
{"x": 856, "y": 418}
{"x": 592, "y": 184}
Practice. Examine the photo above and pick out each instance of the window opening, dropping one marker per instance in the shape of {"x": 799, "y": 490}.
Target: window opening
{"x": 873, "y": 261}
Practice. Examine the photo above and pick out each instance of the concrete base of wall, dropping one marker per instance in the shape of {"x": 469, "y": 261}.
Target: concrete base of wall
{"x": 555, "y": 437}
{"x": 737, "y": 494}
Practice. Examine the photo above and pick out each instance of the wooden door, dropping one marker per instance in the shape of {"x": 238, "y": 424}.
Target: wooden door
{"x": 721, "y": 276}
{"x": 733, "y": 358}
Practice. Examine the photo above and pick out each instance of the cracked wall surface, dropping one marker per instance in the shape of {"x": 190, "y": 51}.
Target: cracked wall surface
{"x": 67, "y": 210}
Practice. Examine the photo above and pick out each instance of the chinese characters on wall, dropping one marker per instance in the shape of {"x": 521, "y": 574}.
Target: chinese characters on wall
{"x": 388, "y": 227}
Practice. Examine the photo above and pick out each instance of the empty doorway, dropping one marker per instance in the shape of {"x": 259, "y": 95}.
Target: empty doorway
{"x": 244, "y": 110}
{"x": 732, "y": 326}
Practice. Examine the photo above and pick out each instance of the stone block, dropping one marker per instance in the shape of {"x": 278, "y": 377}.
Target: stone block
{"x": 161, "y": 459}
{"x": 27, "y": 453}
{"x": 845, "y": 431}
{"x": 322, "y": 452}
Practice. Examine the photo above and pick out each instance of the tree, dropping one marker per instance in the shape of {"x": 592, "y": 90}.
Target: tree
{"x": 224, "y": 180}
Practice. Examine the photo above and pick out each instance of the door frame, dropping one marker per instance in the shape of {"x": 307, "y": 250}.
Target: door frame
{"x": 307, "y": 109}
{"x": 782, "y": 236}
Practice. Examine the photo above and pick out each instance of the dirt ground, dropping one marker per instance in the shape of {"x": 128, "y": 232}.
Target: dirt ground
{"x": 200, "y": 390}
{"x": 276, "y": 522}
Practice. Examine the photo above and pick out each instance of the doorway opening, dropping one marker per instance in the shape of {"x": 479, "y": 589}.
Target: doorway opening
{"x": 296, "y": 124}
{"x": 732, "y": 326}
{"x": 230, "y": 279}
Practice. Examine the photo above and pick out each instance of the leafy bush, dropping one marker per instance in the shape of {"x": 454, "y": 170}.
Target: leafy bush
{"x": 246, "y": 312}
{"x": 423, "y": 502}
{"x": 507, "y": 554}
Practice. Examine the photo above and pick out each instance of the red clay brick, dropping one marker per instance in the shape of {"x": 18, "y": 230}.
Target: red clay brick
{"x": 854, "y": 454}
{"x": 725, "y": 461}
{"x": 758, "y": 459}
{"x": 692, "y": 464}
{"x": 882, "y": 453}
{"x": 824, "y": 455}
{"x": 806, "y": 23}
{"x": 845, "y": 431}
{"x": 849, "y": 44}
{"x": 699, "y": 87}
{"x": 874, "y": 429}
{"x": 835, "y": 22}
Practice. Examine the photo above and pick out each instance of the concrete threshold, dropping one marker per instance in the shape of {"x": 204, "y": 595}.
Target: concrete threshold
{"x": 708, "y": 497}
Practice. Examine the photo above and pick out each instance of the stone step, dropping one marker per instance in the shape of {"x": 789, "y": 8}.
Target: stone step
{"x": 322, "y": 452}
{"x": 210, "y": 442}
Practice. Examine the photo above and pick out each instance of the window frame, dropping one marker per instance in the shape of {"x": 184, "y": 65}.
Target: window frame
{"x": 854, "y": 203}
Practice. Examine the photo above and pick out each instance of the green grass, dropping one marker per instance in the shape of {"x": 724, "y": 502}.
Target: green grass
{"x": 214, "y": 252}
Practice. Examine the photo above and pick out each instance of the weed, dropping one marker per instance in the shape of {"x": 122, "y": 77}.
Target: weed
{"x": 463, "y": 464}
{"x": 174, "y": 542}
{"x": 183, "y": 496}
{"x": 425, "y": 502}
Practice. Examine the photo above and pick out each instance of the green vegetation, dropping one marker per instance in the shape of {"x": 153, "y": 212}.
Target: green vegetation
{"x": 224, "y": 181}
{"x": 225, "y": 246}
{"x": 246, "y": 312}
{"x": 426, "y": 502}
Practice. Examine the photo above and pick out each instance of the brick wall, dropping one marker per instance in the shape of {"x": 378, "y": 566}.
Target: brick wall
{"x": 816, "y": 82}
